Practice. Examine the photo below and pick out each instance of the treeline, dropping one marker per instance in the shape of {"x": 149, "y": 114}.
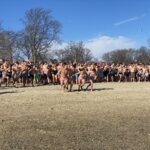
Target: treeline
{"x": 128, "y": 56}
{"x": 34, "y": 42}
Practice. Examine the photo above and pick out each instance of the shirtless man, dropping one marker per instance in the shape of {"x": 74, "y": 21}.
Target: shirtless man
{"x": 81, "y": 78}
{"x": 132, "y": 70}
{"x": 24, "y": 73}
{"x": 9, "y": 75}
{"x": 4, "y": 68}
{"x": 63, "y": 75}
{"x": 91, "y": 76}
{"x": 31, "y": 72}
{"x": 37, "y": 75}
{"x": 70, "y": 77}
{"x": 54, "y": 74}
{"x": 145, "y": 73}
{"x": 106, "y": 72}
{"x": 45, "y": 73}
{"x": 139, "y": 74}
{"x": 120, "y": 73}
{"x": 15, "y": 74}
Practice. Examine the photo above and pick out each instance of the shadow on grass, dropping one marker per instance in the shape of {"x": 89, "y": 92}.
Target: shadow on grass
{"x": 8, "y": 92}
{"x": 95, "y": 89}
{"x": 101, "y": 89}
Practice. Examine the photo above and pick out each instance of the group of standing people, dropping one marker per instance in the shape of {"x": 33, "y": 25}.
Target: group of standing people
{"x": 27, "y": 73}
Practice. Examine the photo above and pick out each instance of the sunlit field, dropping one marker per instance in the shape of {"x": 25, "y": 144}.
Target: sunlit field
{"x": 115, "y": 116}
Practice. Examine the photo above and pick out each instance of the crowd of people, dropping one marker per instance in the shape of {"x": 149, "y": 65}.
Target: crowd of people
{"x": 27, "y": 73}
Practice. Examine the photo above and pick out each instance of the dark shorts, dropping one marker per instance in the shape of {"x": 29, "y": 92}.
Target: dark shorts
{"x": 139, "y": 75}
{"x": 31, "y": 76}
{"x": 24, "y": 75}
{"x": 106, "y": 73}
{"x": 120, "y": 74}
{"x": 8, "y": 75}
{"x": 54, "y": 72}
{"x": 49, "y": 74}
{"x": 1, "y": 75}
{"x": 90, "y": 78}
{"x": 44, "y": 76}
{"x": 112, "y": 74}
{"x": 126, "y": 74}
{"x": 15, "y": 77}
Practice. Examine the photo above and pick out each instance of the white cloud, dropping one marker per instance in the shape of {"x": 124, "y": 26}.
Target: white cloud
{"x": 103, "y": 44}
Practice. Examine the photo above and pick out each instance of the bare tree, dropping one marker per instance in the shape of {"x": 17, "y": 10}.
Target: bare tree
{"x": 107, "y": 57}
{"x": 127, "y": 56}
{"x": 61, "y": 55}
{"x": 74, "y": 51}
{"x": 7, "y": 44}
{"x": 2, "y": 39}
{"x": 39, "y": 33}
{"x": 143, "y": 55}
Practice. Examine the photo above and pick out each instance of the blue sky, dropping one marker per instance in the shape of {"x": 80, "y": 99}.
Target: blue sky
{"x": 105, "y": 23}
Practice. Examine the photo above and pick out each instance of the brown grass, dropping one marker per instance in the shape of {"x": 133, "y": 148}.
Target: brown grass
{"x": 113, "y": 117}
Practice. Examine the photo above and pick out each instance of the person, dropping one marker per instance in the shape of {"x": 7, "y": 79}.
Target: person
{"x": 1, "y": 75}
{"x": 120, "y": 73}
{"x": 139, "y": 74}
{"x": 37, "y": 75}
{"x": 31, "y": 72}
{"x": 63, "y": 76}
{"x": 126, "y": 74}
{"x": 70, "y": 77}
{"x": 76, "y": 73}
{"x": 101, "y": 73}
{"x": 81, "y": 78}
{"x": 91, "y": 76}
{"x": 8, "y": 75}
{"x": 24, "y": 73}
{"x": 54, "y": 74}
{"x": 145, "y": 74}
{"x": 113, "y": 72}
{"x": 106, "y": 72}
{"x": 132, "y": 71}
{"x": 15, "y": 74}
{"x": 44, "y": 73}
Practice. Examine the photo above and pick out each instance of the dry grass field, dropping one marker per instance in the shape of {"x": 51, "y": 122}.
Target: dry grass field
{"x": 115, "y": 116}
